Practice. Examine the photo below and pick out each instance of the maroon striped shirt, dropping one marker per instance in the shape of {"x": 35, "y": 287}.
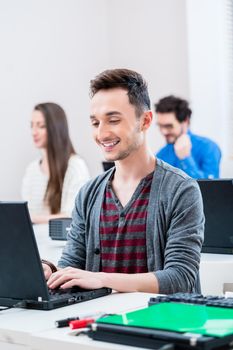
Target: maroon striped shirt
{"x": 123, "y": 230}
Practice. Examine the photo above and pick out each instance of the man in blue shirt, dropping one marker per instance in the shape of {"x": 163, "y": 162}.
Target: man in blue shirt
{"x": 198, "y": 156}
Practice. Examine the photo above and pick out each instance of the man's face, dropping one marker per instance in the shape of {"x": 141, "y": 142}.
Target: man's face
{"x": 170, "y": 127}
{"x": 116, "y": 128}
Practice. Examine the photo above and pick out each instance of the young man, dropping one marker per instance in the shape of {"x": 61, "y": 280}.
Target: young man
{"x": 198, "y": 156}
{"x": 138, "y": 226}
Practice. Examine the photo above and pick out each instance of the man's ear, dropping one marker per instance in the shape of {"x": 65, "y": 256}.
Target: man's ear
{"x": 146, "y": 120}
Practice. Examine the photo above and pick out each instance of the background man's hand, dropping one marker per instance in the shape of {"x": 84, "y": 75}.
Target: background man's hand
{"x": 183, "y": 146}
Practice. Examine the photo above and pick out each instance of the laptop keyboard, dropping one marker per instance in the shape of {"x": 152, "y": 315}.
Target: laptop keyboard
{"x": 209, "y": 300}
{"x": 64, "y": 293}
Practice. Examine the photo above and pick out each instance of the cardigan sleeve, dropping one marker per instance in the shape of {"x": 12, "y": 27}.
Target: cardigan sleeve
{"x": 184, "y": 237}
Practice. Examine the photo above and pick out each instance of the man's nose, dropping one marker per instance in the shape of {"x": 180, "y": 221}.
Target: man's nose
{"x": 103, "y": 131}
{"x": 164, "y": 130}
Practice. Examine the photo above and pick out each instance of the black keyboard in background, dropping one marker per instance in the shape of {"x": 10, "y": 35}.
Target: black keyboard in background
{"x": 209, "y": 300}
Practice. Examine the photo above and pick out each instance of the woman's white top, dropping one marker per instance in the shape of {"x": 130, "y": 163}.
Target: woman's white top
{"x": 35, "y": 184}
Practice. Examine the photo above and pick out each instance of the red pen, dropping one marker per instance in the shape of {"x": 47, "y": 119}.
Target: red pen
{"x": 81, "y": 323}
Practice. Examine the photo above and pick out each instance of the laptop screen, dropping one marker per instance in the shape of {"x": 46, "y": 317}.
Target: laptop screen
{"x": 218, "y": 208}
{"x": 20, "y": 264}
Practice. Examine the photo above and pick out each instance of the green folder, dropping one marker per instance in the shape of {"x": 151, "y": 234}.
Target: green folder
{"x": 178, "y": 317}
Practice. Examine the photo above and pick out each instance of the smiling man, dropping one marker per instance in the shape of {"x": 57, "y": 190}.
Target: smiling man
{"x": 198, "y": 156}
{"x": 138, "y": 226}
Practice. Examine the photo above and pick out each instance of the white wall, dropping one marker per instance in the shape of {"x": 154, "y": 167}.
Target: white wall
{"x": 209, "y": 70}
{"x": 51, "y": 49}
{"x": 150, "y": 37}
{"x": 49, "y": 52}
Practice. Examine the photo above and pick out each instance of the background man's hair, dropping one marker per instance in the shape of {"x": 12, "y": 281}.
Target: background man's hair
{"x": 176, "y": 105}
{"x": 126, "y": 79}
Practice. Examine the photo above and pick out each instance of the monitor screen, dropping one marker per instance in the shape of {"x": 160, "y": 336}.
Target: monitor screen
{"x": 218, "y": 208}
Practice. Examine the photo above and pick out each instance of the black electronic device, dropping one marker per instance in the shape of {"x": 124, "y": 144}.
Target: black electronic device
{"x": 22, "y": 281}
{"x": 180, "y": 321}
{"x": 194, "y": 298}
{"x": 59, "y": 228}
{"x": 218, "y": 209}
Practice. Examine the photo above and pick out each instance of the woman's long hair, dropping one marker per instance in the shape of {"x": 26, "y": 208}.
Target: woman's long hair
{"x": 59, "y": 150}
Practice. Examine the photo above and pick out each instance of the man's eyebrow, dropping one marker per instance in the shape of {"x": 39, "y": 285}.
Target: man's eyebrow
{"x": 108, "y": 114}
{"x": 165, "y": 125}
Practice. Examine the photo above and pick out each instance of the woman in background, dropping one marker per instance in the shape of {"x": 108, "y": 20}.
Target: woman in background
{"x": 51, "y": 183}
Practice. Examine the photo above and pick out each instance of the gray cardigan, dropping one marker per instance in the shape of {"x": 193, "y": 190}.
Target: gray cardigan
{"x": 174, "y": 229}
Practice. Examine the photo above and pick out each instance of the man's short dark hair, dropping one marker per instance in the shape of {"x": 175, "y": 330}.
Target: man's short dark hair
{"x": 176, "y": 105}
{"x": 126, "y": 79}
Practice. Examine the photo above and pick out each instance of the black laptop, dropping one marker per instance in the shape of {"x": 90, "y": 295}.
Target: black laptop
{"x": 22, "y": 281}
{"x": 218, "y": 208}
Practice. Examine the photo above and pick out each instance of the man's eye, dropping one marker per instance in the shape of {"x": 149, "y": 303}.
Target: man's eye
{"x": 95, "y": 124}
{"x": 114, "y": 121}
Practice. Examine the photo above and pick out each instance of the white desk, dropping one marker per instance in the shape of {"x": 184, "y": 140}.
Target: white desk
{"x": 35, "y": 330}
{"x": 31, "y": 329}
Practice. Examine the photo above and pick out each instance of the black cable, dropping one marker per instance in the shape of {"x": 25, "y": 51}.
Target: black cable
{"x": 19, "y": 304}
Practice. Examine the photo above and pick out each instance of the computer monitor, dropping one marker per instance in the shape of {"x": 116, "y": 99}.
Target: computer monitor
{"x": 218, "y": 208}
